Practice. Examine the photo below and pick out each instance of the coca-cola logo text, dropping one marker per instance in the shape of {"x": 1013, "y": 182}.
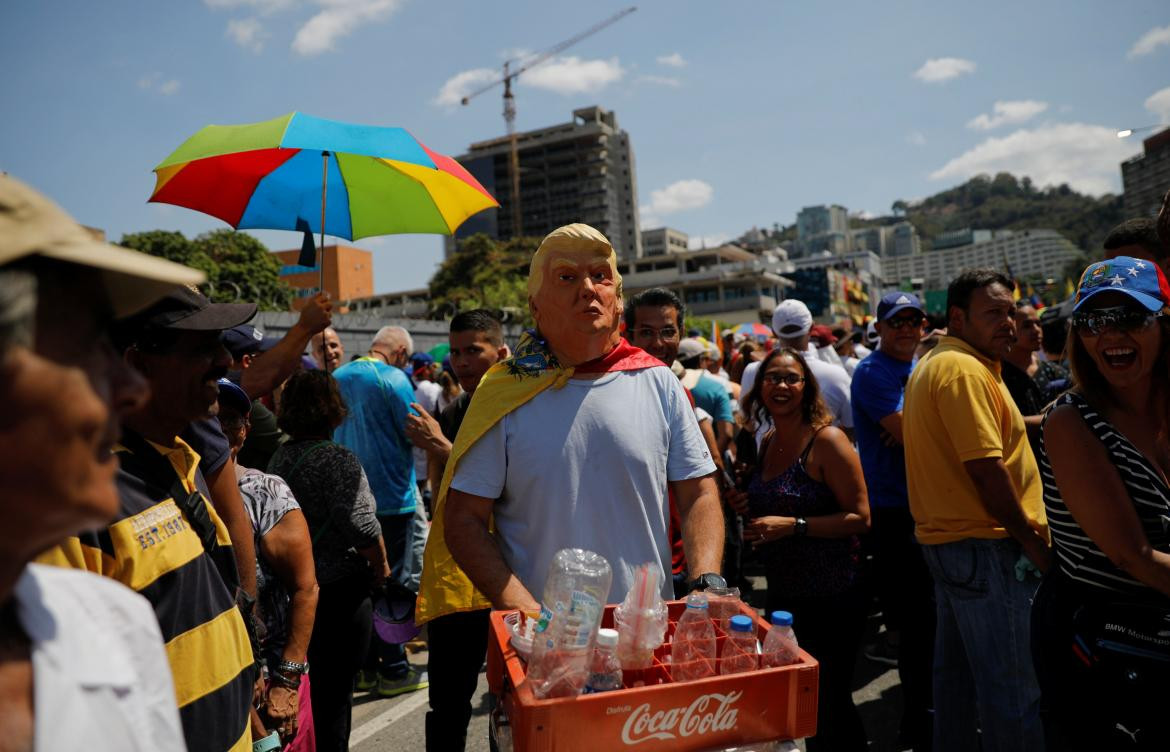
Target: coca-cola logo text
{"x": 706, "y": 714}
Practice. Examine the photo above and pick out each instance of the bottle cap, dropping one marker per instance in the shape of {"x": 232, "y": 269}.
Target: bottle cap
{"x": 697, "y": 600}
{"x": 607, "y": 637}
{"x": 782, "y": 618}
{"x": 741, "y": 623}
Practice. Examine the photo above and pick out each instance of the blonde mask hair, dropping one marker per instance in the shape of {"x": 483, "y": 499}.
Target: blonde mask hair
{"x": 574, "y": 238}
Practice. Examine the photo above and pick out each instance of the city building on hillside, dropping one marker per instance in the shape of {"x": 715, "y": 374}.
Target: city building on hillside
{"x": 727, "y": 283}
{"x": 349, "y": 274}
{"x": 664, "y": 240}
{"x": 580, "y": 171}
{"x": 1146, "y": 177}
{"x": 905, "y": 240}
{"x": 873, "y": 239}
{"x": 956, "y": 238}
{"x": 837, "y": 286}
{"x": 818, "y": 220}
{"x": 1031, "y": 254}
{"x": 821, "y": 229}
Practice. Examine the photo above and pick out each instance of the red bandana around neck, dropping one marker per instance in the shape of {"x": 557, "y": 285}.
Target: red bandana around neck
{"x": 624, "y": 357}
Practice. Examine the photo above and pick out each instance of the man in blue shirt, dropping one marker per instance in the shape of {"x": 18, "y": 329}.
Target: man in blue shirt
{"x": 378, "y": 395}
{"x": 709, "y": 393}
{"x": 902, "y": 582}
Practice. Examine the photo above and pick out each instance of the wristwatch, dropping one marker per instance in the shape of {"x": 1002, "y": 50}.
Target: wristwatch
{"x": 708, "y": 580}
{"x": 801, "y": 528}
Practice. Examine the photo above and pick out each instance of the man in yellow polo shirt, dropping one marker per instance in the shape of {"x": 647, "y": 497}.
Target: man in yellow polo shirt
{"x": 975, "y": 494}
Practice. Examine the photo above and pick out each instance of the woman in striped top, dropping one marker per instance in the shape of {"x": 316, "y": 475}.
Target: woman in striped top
{"x": 1105, "y": 460}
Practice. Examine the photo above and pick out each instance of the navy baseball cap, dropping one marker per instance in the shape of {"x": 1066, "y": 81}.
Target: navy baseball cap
{"x": 896, "y": 302}
{"x": 1139, "y": 279}
{"x": 422, "y": 359}
{"x": 234, "y": 395}
{"x": 246, "y": 339}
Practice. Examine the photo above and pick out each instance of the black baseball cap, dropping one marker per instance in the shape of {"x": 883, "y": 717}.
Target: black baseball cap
{"x": 187, "y": 309}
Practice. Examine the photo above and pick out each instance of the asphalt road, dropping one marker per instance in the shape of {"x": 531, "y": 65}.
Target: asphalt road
{"x": 397, "y": 723}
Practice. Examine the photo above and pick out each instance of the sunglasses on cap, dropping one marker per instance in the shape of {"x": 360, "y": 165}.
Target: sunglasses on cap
{"x": 1122, "y": 318}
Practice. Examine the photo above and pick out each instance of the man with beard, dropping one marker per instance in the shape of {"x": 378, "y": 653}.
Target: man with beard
{"x": 167, "y": 541}
{"x": 571, "y": 443}
{"x": 976, "y": 497}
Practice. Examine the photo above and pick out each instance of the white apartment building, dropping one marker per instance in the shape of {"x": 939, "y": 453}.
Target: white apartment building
{"x": 728, "y": 283}
{"x": 1029, "y": 253}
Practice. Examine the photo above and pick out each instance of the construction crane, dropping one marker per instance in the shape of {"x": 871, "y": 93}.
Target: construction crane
{"x": 512, "y": 69}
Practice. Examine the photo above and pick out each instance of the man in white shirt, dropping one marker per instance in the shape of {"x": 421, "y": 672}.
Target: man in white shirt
{"x": 792, "y": 321}
{"x": 582, "y": 455}
{"x": 83, "y": 660}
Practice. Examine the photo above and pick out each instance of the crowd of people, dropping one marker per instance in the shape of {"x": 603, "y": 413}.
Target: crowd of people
{"x": 202, "y": 525}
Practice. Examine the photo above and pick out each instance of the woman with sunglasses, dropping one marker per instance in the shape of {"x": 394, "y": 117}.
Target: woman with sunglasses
{"x": 807, "y": 504}
{"x": 1101, "y": 620}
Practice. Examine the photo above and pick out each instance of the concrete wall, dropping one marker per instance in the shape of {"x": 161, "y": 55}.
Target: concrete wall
{"x": 357, "y": 330}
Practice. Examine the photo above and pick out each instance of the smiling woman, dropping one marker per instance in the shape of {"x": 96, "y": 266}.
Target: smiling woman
{"x": 1100, "y": 656}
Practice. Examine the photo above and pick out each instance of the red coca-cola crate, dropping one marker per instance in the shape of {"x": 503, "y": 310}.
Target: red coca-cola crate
{"x": 651, "y": 713}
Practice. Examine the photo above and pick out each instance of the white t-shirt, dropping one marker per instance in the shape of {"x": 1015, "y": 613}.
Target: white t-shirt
{"x": 586, "y": 466}
{"x": 833, "y": 381}
{"x": 427, "y": 394}
{"x": 101, "y": 679}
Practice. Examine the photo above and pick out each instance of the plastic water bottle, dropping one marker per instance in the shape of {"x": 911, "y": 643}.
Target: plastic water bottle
{"x": 780, "y": 648}
{"x": 692, "y": 652}
{"x": 575, "y": 594}
{"x": 739, "y": 648}
{"x": 605, "y": 670}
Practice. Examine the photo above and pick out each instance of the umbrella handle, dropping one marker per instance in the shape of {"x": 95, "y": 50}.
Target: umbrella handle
{"x": 324, "y": 185}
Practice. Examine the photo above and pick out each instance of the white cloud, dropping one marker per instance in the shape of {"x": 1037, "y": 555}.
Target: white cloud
{"x": 462, "y": 84}
{"x": 695, "y": 242}
{"x": 674, "y": 60}
{"x": 248, "y": 33}
{"x": 338, "y": 19}
{"x": 154, "y": 82}
{"x": 1150, "y": 41}
{"x": 674, "y": 83}
{"x": 260, "y": 6}
{"x": 1159, "y": 104}
{"x": 572, "y": 75}
{"x": 939, "y": 69}
{"x": 1084, "y": 156}
{"x": 681, "y": 195}
{"x": 1008, "y": 112}
{"x": 916, "y": 138}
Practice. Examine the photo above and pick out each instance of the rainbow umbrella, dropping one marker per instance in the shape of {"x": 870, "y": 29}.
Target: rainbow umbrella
{"x": 298, "y": 172}
{"x": 754, "y": 329}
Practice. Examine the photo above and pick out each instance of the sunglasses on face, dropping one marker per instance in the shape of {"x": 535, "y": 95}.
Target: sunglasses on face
{"x": 775, "y": 379}
{"x": 1121, "y": 318}
{"x": 914, "y": 322}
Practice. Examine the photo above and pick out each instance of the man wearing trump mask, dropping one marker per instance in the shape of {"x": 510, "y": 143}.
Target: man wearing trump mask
{"x": 572, "y": 442}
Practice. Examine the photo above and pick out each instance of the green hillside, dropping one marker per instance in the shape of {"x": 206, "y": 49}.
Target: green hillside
{"x": 1007, "y": 203}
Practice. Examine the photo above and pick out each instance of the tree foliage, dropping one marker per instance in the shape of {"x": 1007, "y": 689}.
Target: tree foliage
{"x": 485, "y": 273}
{"x": 1004, "y": 202}
{"x": 238, "y": 266}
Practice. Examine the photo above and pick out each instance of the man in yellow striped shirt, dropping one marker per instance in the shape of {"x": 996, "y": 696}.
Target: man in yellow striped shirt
{"x": 167, "y": 542}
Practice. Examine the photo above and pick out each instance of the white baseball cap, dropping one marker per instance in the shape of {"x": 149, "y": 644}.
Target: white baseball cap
{"x": 791, "y": 319}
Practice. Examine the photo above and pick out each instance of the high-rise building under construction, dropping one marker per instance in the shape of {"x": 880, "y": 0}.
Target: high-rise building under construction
{"x": 580, "y": 171}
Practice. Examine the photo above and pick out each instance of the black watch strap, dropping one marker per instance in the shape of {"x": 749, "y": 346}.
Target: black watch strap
{"x": 707, "y": 580}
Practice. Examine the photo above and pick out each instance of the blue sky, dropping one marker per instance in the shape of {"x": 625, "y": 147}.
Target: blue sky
{"x": 739, "y": 113}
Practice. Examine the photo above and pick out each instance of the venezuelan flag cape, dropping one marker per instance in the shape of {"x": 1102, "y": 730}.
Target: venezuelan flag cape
{"x": 507, "y": 385}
